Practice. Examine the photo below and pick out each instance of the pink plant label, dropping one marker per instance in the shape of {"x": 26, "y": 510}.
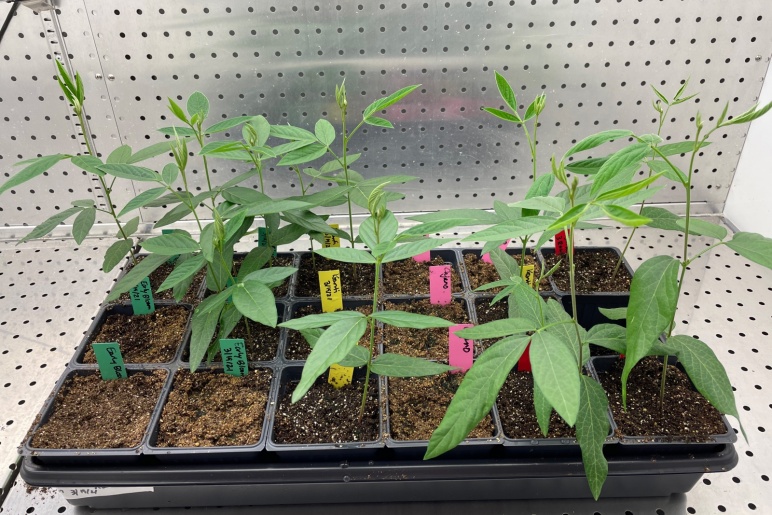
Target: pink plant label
{"x": 561, "y": 246}
{"x": 460, "y": 350}
{"x": 487, "y": 257}
{"x": 440, "y": 284}
{"x": 424, "y": 257}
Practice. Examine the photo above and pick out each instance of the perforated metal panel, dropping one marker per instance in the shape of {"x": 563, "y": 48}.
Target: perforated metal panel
{"x": 595, "y": 60}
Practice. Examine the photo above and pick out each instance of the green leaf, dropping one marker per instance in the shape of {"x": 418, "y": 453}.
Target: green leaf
{"x": 256, "y": 259}
{"x": 671, "y": 172}
{"x": 275, "y": 206}
{"x": 625, "y": 216}
{"x": 555, "y": 371}
{"x": 661, "y": 97}
{"x": 83, "y": 224}
{"x": 684, "y": 147}
{"x": 115, "y": 254}
{"x": 608, "y": 336}
{"x": 176, "y": 214}
{"x": 379, "y": 122}
{"x": 198, "y": 104}
{"x": 226, "y": 124}
{"x": 308, "y": 220}
{"x": 287, "y": 234}
{"x": 505, "y": 265}
{"x": 702, "y": 228}
{"x": 188, "y": 268}
{"x": 357, "y": 357}
{"x": 334, "y": 345}
{"x": 592, "y": 427}
{"x": 177, "y": 111}
{"x": 597, "y": 140}
{"x": 543, "y": 410}
{"x": 89, "y": 163}
{"x": 629, "y": 157}
{"x": 255, "y": 301}
{"x": 506, "y": 92}
{"x": 397, "y": 365}
{"x": 752, "y": 246}
{"x": 383, "y": 103}
{"x": 498, "y": 328}
{"x": 566, "y": 331}
{"x": 178, "y": 132}
{"x": 472, "y": 216}
{"x": 325, "y": 132}
{"x": 320, "y": 320}
{"x": 498, "y": 113}
{"x": 661, "y": 218}
{"x": 549, "y": 204}
{"x": 164, "y": 147}
{"x": 220, "y": 147}
{"x": 34, "y": 168}
{"x": 138, "y": 272}
{"x": 291, "y": 133}
{"x": 706, "y": 372}
{"x": 141, "y": 200}
{"x": 242, "y": 195}
{"x": 571, "y": 216}
{"x": 303, "y": 154}
{"x": 129, "y": 227}
{"x": 512, "y": 229}
{"x": 587, "y": 166}
{"x": 475, "y": 397}
{"x": 120, "y": 155}
{"x": 50, "y": 224}
{"x": 272, "y": 275}
{"x": 614, "y": 313}
{"x": 215, "y": 302}
{"x": 413, "y": 248}
{"x": 346, "y": 255}
{"x": 629, "y": 189}
{"x": 134, "y": 173}
{"x": 749, "y": 115}
{"x": 171, "y": 244}
{"x": 410, "y": 320}
{"x": 652, "y": 305}
{"x": 203, "y": 326}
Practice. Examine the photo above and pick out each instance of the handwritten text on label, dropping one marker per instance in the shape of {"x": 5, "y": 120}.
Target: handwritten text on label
{"x": 110, "y": 361}
{"x": 234, "y": 357}
{"x": 142, "y": 297}
{"x": 460, "y": 350}
{"x": 440, "y": 287}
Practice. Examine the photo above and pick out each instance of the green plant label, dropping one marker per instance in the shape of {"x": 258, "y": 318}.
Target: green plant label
{"x": 110, "y": 361}
{"x": 262, "y": 239}
{"x": 234, "y": 357}
{"x": 142, "y": 297}
{"x": 172, "y": 259}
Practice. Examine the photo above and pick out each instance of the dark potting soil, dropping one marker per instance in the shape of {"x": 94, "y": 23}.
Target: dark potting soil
{"x": 159, "y": 276}
{"x": 211, "y": 408}
{"x": 594, "y": 271}
{"x": 685, "y": 416}
{"x": 327, "y": 415}
{"x": 518, "y": 417}
{"x": 418, "y": 404}
{"x": 481, "y": 273}
{"x": 487, "y": 312}
{"x": 261, "y": 341}
{"x": 359, "y": 283}
{"x": 297, "y": 347}
{"x": 91, "y": 413}
{"x": 423, "y": 343}
{"x": 152, "y": 338}
{"x": 278, "y": 291}
{"x": 410, "y": 277}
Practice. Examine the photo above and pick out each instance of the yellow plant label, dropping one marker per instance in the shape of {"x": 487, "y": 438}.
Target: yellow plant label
{"x": 331, "y": 290}
{"x": 340, "y": 376}
{"x": 528, "y": 273}
{"x": 331, "y": 240}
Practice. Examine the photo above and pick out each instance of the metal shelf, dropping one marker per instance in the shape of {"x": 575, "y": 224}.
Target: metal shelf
{"x": 52, "y": 289}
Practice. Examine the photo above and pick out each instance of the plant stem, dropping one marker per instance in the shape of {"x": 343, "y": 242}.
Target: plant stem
{"x": 372, "y": 337}
{"x": 200, "y": 138}
{"x": 571, "y": 277}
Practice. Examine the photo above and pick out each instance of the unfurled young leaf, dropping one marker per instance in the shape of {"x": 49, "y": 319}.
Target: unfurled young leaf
{"x": 116, "y": 253}
{"x": 120, "y": 155}
{"x": 498, "y": 113}
{"x": 752, "y": 246}
{"x": 139, "y": 271}
{"x": 171, "y": 244}
{"x": 83, "y": 224}
{"x": 34, "y": 168}
{"x": 625, "y": 216}
{"x": 383, "y": 103}
{"x": 598, "y": 139}
{"x": 198, "y": 104}
{"x": 702, "y": 228}
{"x": 379, "y": 122}
{"x": 183, "y": 271}
{"x": 131, "y": 172}
{"x": 50, "y": 224}
{"x": 506, "y": 92}
{"x": 325, "y": 132}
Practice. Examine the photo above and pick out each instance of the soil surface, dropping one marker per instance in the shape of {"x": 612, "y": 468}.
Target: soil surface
{"x": 518, "y": 417}
{"x": 687, "y": 415}
{"x": 423, "y": 343}
{"x": 297, "y": 347}
{"x": 418, "y": 404}
{"x": 261, "y": 341}
{"x": 487, "y": 312}
{"x": 359, "y": 283}
{"x": 594, "y": 271}
{"x": 409, "y": 277}
{"x": 278, "y": 291}
{"x": 481, "y": 273}
{"x": 211, "y": 408}
{"x": 159, "y": 276}
{"x": 327, "y": 415}
{"x": 152, "y": 338}
{"x": 94, "y": 414}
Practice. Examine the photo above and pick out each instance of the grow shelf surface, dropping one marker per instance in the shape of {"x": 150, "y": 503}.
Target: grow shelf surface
{"x": 50, "y": 294}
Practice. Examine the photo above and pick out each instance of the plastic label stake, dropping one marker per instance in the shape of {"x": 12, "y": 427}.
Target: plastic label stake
{"x": 460, "y": 350}
{"x": 423, "y": 257}
{"x": 487, "y": 257}
{"x": 440, "y": 284}
{"x": 142, "y": 298}
{"x": 528, "y": 273}
{"x": 234, "y": 357}
{"x": 340, "y": 376}
{"x": 331, "y": 290}
{"x": 561, "y": 245}
{"x": 110, "y": 361}
{"x": 172, "y": 259}
{"x": 331, "y": 240}
{"x": 262, "y": 239}
{"x": 524, "y": 364}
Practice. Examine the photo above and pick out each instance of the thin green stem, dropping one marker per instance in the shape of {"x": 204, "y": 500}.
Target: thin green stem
{"x": 200, "y": 138}
{"x": 372, "y": 338}
{"x": 345, "y": 173}
{"x": 571, "y": 276}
